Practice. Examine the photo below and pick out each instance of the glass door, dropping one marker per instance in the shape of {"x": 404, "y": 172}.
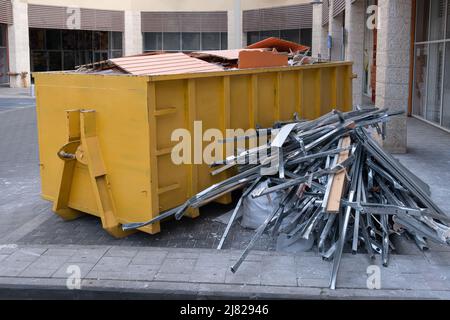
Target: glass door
{"x": 431, "y": 88}
{"x": 4, "y": 78}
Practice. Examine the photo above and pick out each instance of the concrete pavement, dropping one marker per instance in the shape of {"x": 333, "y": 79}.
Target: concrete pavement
{"x": 37, "y": 248}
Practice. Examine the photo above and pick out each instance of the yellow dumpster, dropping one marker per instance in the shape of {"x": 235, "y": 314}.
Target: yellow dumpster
{"x": 105, "y": 140}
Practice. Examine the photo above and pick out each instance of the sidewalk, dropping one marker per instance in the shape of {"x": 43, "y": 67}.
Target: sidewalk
{"x": 37, "y": 246}
{"x": 195, "y": 273}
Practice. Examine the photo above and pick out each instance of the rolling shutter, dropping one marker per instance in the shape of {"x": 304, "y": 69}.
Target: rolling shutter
{"x": 338, "y": 7}
{"x": 55, "y": 17}
{"x": 325, "y": 12}
{"x": 278, "y": 18}
{"x": 215, "y": 21}
{"x": 6, "y": 15}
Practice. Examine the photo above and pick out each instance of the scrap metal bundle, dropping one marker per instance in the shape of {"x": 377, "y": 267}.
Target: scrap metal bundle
{"x": 337, "y": 185}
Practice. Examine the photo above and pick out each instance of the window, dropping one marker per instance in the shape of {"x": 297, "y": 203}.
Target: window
{"x": 434, "y": 82}
{"x": 302, "y": 36}
{"x": 223, "y": 40}
{"x": 431, "y": 89}
{"x": 152, "y": 41}
{"x": 37, "y": 39}
{"x": 306, "y": 37}
{"x": 437, "y": 17}
{"x": 190, "y": 41}
{"x": 3, "y": 28}
{"x": 252, "y": 37}
{"x": 53, "y": 49}
{"x": 420, "y": 79}
{"x": 446, "y": 97}
{"x": 211, "y": 41}
{"x": 185, "y": 41}
{"x": 4, "y": 68}
{"x": 270, "y": 33}
{"x": 290, "y": 35}
{"x": 172, "y": 41}
{"x": 422, "y": 21}
{"x": 53, "y": 39}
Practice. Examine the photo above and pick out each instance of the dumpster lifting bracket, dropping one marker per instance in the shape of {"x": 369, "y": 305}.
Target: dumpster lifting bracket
{"x": 84, "y": 147}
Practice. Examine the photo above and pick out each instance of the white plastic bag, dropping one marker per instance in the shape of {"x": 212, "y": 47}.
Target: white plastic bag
{"x": 256, "y": 210}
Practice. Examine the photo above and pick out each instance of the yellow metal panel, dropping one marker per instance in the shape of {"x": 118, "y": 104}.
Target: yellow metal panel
{"x": 123, "y": 134}
{"x": 135, "y": 117}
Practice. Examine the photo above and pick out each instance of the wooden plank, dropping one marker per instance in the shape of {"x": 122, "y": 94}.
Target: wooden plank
{"x": 337, "y": 187}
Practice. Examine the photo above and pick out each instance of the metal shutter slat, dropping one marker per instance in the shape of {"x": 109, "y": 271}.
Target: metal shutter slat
{"x": 214, "y": 21}
{"x": 338, "y": 7}
{"x": 278, "y": 18}
{"x": 6, "y": 15}
{"x": 55, "y": 17}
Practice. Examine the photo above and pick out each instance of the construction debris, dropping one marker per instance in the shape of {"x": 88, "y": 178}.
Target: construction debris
{"x": 339, "y": 189}
{"x": 271, "y": 52}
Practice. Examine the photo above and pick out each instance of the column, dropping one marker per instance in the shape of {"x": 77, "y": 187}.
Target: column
{"x": 132, "y": 35}
{"x": 18, "y": 43}
{"x": 393, "y": 58}
{"x": 355, "y": 24}
{"x": 234, "y": 16}
{"x": 335, "y": 30}
{"x": 319, "y": 33}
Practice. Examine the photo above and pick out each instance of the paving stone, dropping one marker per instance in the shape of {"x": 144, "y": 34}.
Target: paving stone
{"x": 121, "y": 252}
{"x": 51, "y": 263}
{"x": 33, "y": 272}
{"x": 178, "y": 265}
{"x": 6, "y": 249}
{"x": 88, "y": 255}
{"x": 183, "y": 255}
{"x": 178, "y": 277}
{"x": 313, "y": 283}
{"x": 217, "y": 260}
{"x": 149, "y": 257}
{"x": 208, "y": 274}
{"x": 278, "y": 262}
{"x": 441, "y": 258}
{"x": 112, "y": 264}
{"x": 3, "y": 257}
{"x": 60, "y": 252}
{"x": 130, "y": 273}
{"x": 279, "y": 277}
{"x": 22, "y": 256}
{"x": 248, "y": 273}
{"x": 6, "y": 271}
{"x": 62, "y": 271}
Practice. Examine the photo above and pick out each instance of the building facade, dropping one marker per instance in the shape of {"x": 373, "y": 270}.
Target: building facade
{"x": 46, "y": 35}
{"x": 400, "y": 48}
{"x": 401, "y": 55}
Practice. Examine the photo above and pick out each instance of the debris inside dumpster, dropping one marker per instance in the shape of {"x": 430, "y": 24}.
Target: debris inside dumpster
{"x": 339, "y": 189}
{"x": 270, "y": 52}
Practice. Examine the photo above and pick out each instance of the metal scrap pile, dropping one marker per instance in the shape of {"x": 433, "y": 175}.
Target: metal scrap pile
{"x": 337, "y": 186}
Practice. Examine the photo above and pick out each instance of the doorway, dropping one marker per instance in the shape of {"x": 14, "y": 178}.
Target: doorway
{"x": 4, "y": 67}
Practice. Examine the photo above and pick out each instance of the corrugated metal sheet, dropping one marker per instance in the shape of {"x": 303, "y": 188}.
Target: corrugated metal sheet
{"x": 231, "y": 54}
{"x": 278, "y": 18}
{"x": 215, "y": 21}
{"x": 55, "y": 17}
{"x": 167, "y": 63}
{"x": 6, "y": 15}
{"x": 338, "y": 7}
